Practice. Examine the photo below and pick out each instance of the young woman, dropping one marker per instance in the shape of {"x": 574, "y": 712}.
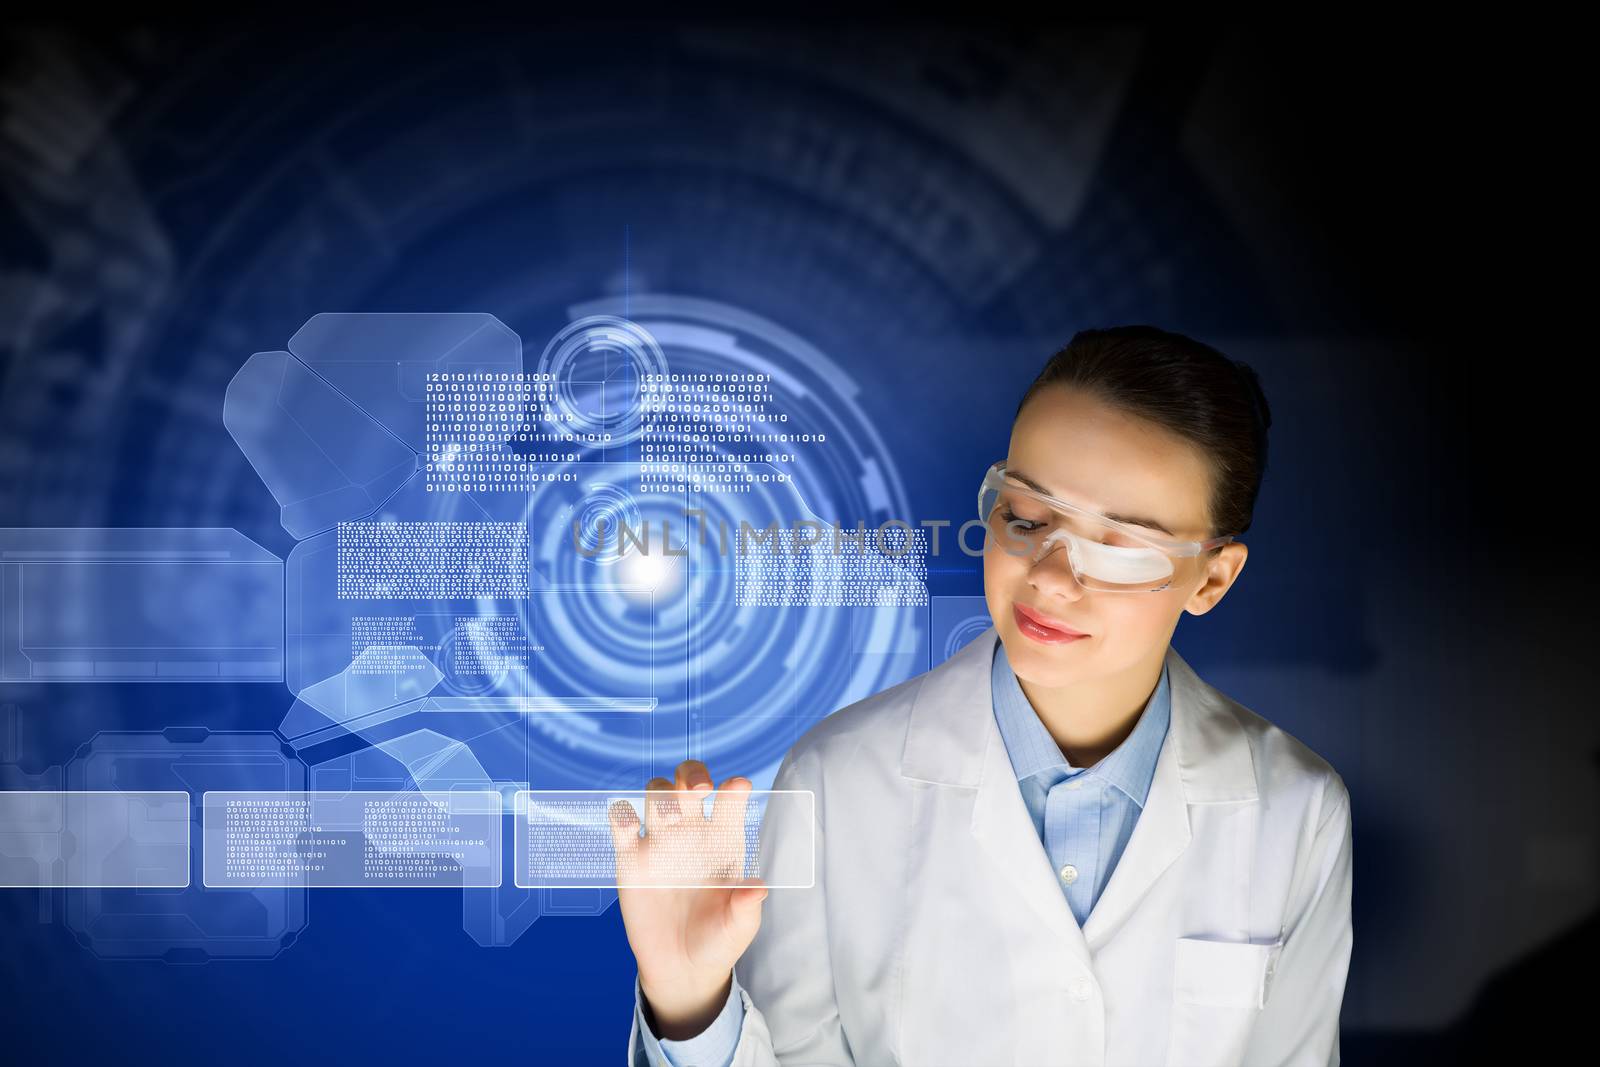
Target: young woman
{"x": 1061, "y": 845}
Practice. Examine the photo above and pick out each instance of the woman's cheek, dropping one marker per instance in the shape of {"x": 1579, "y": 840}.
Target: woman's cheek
{"x": 994, "y": 570}
{"x": 1129, "y": 626}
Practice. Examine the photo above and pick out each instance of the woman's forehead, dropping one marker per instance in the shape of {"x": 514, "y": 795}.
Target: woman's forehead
{"x": 1069, "y": 446}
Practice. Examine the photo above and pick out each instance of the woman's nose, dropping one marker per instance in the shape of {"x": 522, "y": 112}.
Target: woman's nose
{"x": 1051, "y": 570}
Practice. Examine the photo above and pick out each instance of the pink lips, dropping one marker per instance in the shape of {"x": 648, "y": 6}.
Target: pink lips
{"x": 1042, "y": 628}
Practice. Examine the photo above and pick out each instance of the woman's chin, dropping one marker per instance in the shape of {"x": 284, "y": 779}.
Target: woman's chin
{"x": 1043, "y": 665}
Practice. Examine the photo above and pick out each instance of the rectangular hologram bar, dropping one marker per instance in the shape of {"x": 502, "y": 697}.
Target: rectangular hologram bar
{"x": 80, "y": 839}
{"x": 334, "y": 839}
{"x": 566, "y": 839}
{"x": 139, "y": 605}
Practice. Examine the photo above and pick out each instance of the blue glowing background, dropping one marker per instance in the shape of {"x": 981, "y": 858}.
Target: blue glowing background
{"x": 903, "y": 221}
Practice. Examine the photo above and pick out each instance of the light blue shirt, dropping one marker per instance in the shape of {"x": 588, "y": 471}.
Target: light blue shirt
{"x": 1083, "y": 815}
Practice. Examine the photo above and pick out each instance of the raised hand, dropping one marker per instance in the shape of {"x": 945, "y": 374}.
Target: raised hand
{"x": 688, "y": 909}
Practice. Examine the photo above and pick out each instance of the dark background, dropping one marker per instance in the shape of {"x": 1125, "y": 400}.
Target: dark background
{"x": 1382, "y": 218}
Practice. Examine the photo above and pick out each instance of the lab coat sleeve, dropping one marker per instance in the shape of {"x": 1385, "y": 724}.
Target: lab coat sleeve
{"x": 1299, "y": 1024}
{"x": 784, "y": 978}
{"x": 712, "y": 1047}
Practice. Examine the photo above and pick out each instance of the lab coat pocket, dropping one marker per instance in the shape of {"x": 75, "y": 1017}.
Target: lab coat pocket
{"x": 1218, "y": 989}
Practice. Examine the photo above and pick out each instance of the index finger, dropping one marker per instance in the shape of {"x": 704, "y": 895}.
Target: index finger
{"x": 624, "y": 838}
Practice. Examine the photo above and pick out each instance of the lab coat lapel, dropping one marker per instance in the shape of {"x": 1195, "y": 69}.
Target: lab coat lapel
{"x": 1002, "y": 825}
{"x": 952, "y": 739}
{"x": 1205, "y": 759}
{"x": 1159, "y": 836}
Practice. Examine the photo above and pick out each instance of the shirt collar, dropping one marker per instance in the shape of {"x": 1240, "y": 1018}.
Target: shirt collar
{"x": 1130, "y": 766}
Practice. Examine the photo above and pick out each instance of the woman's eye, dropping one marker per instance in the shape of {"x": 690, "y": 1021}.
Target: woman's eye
{"x": 1011, "y": 517}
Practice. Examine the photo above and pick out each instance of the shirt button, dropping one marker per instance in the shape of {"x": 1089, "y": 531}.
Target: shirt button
{"x": 1074, "y": 785}
{"x": 1069, "y": 873}
{"x": 1081, "y": 989}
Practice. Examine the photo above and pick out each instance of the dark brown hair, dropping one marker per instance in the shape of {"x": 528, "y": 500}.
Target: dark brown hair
{"x": 1187, "y": 387}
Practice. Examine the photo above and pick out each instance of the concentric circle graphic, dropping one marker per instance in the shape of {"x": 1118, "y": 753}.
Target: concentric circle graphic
{"x": 743, "y": 678}
{"x": 589, "y": 362}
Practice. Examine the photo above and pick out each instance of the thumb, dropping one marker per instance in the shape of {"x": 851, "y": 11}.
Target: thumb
{"x": 744, "y": 902}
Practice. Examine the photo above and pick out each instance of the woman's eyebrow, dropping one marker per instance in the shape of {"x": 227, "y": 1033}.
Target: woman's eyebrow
{"x": 1131, "y": 520}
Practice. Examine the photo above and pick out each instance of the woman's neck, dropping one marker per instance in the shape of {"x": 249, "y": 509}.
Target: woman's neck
{"x": 1088, "y": 720}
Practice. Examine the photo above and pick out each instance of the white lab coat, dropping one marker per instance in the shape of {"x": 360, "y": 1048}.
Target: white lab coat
{"x": 937, "y": 932}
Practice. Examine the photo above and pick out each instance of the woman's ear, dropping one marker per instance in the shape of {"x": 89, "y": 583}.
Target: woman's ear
{"x": 1220, "y": 572}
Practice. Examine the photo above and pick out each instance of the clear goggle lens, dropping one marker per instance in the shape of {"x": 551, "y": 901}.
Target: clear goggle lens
{"x": 1101, "y": 556}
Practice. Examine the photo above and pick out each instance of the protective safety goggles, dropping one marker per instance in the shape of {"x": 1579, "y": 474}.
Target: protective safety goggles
{"x": 1104, "y": 554}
